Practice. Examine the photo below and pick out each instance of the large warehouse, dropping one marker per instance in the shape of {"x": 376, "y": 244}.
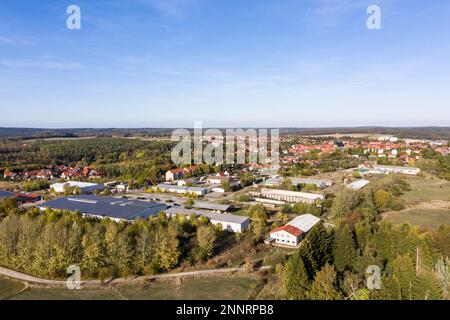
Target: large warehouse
{"x": 85, "y": 187}
{"x": 106, "y": 207}
{"x": 288, "y": 196}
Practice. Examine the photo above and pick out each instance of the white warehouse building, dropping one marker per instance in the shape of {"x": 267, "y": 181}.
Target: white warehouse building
{"x": 85, "y": 187}
{"x": 292, "y": 233}
{"x": 288, "y": 196}
{"x": 397, "y": 169}
{"x": 229, "y": 222}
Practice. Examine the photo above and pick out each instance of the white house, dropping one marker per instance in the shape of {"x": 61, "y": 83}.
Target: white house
{"x": 85, "y": 187}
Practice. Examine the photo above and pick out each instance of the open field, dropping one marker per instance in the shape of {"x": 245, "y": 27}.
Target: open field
{"x": 9, "y": 288}
{"x": 426, "y": 189}
{"x": 431, "y": 218}
{"x": 213, "y": 288}
{"x": 9, "y": 185}
{"x": 427, "y": 204}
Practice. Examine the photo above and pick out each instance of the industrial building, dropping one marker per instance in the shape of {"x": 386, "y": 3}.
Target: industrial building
{"x": 211, "y": 206}
{"x": 181, "y": 189}
{"x": 292, "y": 233}
{"x": 288, "y": 196}
{"x": 397, "y": 169}
{"x": 358, "y": 184}
{"x": 106, "y": 207}
{"x": 319, "y": 183}
{"x": 228, "y": 222}
{"x": 20, "y": 198}
{"x": 85, "y": 187}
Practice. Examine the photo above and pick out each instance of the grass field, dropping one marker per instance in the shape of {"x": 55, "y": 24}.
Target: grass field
{"x": 427, "y": 204}
{"x": 9, "y": 288}
{"x": 230, "y": 287}
{"x": 9, "y": 185}
{"x": 426, "y": 189}
{"x": 431, "y": 218}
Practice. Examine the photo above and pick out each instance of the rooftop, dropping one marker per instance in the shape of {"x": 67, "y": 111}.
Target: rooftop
{"x": 305, "y": 222}
{"x": 358, "y": 184}
{"x": 229, "y": 218}
{"x": 6, "y": 194}
{"x": 289, "y": 229}
{"x": 106, "y": 207}
{"x": 312, "y": 196}
{"x": 211, "y": 206}
{"x": 75, "y": 184}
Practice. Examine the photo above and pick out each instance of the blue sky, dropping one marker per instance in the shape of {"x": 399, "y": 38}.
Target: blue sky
{"x": 234, "y": 63}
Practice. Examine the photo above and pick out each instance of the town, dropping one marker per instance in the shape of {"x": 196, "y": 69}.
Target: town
{"x": 193, "y": 150}
{"x": 250, "y": 216}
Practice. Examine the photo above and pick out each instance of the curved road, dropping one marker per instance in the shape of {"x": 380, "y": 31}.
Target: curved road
{"x": 97, "y": 283}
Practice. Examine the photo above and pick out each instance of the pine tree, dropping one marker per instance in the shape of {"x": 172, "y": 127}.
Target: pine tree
{"x": 427, "y": 287}
{"x": 402, "y": 269}
{"x": 324, "y": 286}
{"x": 321, "y": 245}
{"x": 296, "y": 280}
{"x": 344, "y": 250}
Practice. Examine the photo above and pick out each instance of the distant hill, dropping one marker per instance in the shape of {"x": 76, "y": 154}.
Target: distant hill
{"x": 433, "y": 133}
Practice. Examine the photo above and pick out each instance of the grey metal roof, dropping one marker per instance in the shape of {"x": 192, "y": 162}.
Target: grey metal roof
{"x": 228, "y": 218}
{"x": 358, "y": 184}
{"x": 183, "y": 188}
{"x": 6, "y": 194}
{"x": 107, "y": 207}
{"x": 211, "y": 206}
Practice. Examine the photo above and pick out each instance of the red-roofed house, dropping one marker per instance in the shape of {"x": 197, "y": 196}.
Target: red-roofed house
{"x": 287, "y": 235}
{"x": 174, "y": 175}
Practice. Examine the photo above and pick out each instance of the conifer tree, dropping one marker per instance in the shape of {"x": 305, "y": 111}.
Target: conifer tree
{"x": 324, "y": 286}
{"x": 344, "y": 250}
{"x": 296, "y": 280}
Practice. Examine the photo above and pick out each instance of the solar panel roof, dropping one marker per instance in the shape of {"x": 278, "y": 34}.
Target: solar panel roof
{"x": 107, "y": 207}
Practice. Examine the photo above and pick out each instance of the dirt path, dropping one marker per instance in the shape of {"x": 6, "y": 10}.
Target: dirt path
{"x": 433, "y": 204}
{"x": 98, "y": 284}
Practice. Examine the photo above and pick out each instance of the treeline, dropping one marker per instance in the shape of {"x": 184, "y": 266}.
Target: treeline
{"x": 436, "y": 163}
{"x": 116, "y": 158}
{"x": 87, "y": 151}
{"x": 46, "y": 244}
{"x": 367, "y": 204}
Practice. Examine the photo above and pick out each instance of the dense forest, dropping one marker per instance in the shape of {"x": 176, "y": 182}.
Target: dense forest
{"x": 130, "y": 159}
{"x": 404, "y": 132}
{"x": 46, "y": 244}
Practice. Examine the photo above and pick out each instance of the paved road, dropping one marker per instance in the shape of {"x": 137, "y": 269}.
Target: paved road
{"x": 97, "y": 283}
